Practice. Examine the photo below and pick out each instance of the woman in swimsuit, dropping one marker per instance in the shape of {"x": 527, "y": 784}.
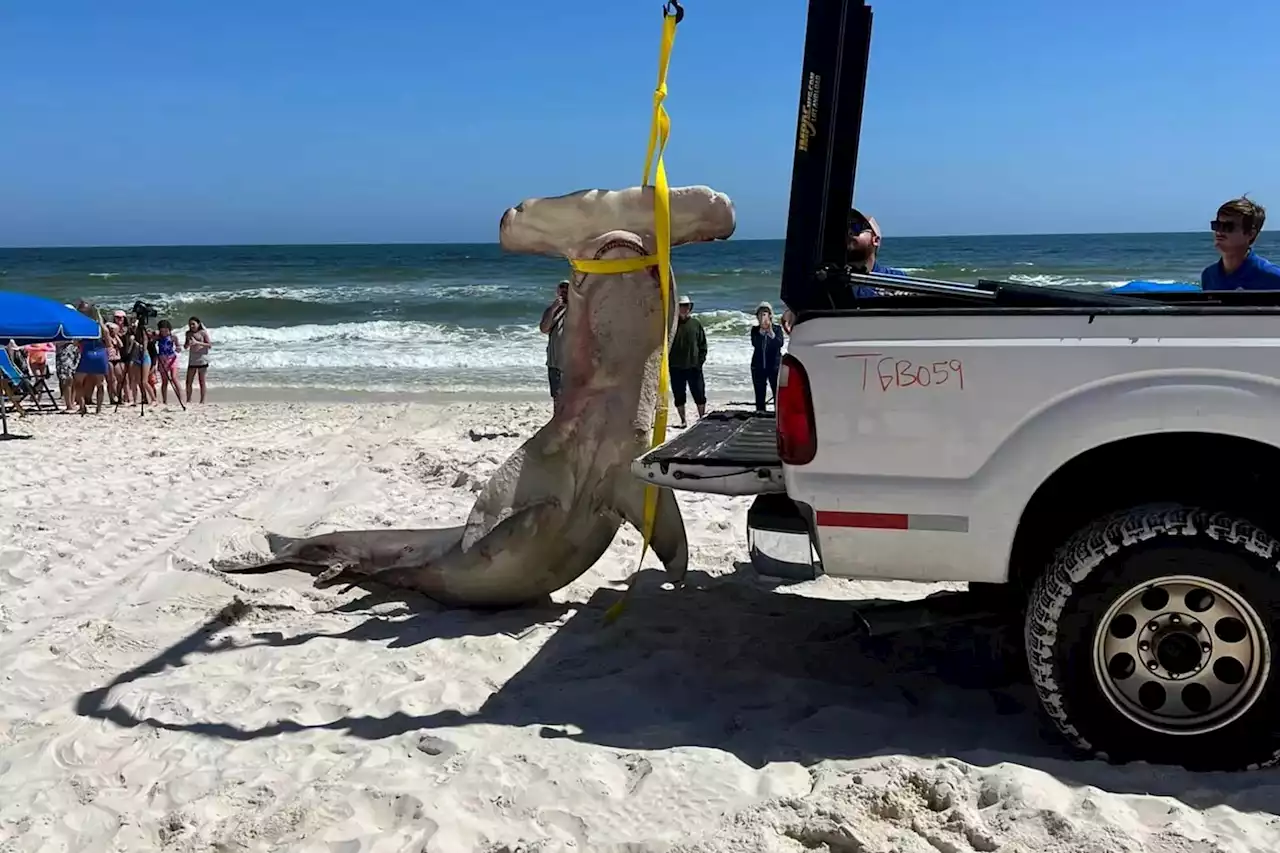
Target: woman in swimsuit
{"x": 115, "y": 367}
{"x": 167, "y": 348}
{"x": 91, "y": 373}
{"x": 198, "y": 345}
{"x": 140, "y": 365}
{"x": 153, "y": 371}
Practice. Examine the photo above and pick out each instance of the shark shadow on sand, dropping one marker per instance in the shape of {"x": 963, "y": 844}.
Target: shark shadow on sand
{"x": 725, "y": 663}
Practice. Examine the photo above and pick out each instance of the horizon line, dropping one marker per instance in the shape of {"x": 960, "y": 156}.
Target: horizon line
{"x": 495, "y": 243}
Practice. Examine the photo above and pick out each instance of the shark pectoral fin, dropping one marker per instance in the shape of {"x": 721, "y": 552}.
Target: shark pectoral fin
{"x": 531, "y": 476}
{"x": 668, "y": 540}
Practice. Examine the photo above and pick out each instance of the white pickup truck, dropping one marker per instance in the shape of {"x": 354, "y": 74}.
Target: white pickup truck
{"x": 1099, "y": 466}
{"x": 1110, "y": 466}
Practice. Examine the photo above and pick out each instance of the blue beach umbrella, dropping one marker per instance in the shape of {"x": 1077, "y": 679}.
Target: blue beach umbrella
{"x": 28, "y": 319}
{"x": 31, "y": 319}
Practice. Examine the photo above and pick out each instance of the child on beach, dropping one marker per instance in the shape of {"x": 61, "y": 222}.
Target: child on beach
{"x": 154, "y": 368}
{"x": 198, "y": 344}
{"x": 139, "y": 363}
{"x": 167, "y": 348}
{"x": 115, "y": 367}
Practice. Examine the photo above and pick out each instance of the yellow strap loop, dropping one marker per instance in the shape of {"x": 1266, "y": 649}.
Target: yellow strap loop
{"x": 658, "y": 132}
{"x": 613, "y": 266}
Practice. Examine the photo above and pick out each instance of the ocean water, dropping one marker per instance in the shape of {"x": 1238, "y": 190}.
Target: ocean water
{"x": 463, "y": 318}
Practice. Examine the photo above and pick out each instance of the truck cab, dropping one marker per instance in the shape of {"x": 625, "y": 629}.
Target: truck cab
{"x": 1098, "y": 465}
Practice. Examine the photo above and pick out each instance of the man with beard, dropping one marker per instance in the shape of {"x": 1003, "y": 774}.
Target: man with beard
{"x": 862, "y": 247}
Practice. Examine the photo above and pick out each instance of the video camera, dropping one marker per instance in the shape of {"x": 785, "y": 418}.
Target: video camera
{"x": 144, "y": 311}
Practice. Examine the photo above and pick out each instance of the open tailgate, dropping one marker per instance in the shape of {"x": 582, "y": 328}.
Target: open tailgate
{"x": 725, "y": 453}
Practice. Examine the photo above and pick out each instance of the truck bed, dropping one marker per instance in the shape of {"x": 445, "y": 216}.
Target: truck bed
{"x": 728, "y": 453}
{"x": 738, "y": 439}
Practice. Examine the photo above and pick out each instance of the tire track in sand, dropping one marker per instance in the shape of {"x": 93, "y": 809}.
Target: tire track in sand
{"x": 121, "y": 557}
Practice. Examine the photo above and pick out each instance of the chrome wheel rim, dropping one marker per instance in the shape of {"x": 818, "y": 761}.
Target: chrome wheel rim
{"x": 1181, "y": 655}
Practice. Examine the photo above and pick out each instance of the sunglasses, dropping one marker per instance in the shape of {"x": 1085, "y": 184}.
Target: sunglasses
{"x": 857, "y": 226}
{"x": 1219, "y": 226}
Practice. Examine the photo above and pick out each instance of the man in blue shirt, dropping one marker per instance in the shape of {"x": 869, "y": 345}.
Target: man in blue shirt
{"x": 862, "y": 246}
{"x": 1236, "y": 227}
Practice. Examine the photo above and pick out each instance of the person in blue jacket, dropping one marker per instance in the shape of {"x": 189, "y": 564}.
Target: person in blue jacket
{"x": 1235, "y": 229}
{"x": 766, "y": 353}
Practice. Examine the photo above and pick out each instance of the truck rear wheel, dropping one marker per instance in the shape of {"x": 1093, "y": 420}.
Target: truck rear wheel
{"x": 1152, "y": 636}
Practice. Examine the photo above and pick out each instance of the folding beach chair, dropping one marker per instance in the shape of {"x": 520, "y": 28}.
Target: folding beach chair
{"x": 12, "y": 392}
{"x": 39, "y": 382}
{"x": 27, "y": 386}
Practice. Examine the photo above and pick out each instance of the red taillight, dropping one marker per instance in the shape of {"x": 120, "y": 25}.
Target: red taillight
{"x": 797, "y": 436}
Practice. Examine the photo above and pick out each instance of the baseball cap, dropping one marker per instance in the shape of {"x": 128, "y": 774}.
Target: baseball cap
{"x": 859, "y": 222}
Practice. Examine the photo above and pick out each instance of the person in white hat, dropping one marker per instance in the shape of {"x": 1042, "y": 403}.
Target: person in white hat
{"x": 687, "y": 355}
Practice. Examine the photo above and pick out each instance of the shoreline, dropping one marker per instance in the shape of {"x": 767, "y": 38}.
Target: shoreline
{"x": 239, "y": 394}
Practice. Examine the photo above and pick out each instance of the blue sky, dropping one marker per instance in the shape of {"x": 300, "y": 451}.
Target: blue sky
{"x": 140, "y": 122}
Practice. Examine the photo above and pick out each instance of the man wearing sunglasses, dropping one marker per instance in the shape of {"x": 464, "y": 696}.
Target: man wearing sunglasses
{"x": 861, "y": 248}
{"x": 1236, "y": 227}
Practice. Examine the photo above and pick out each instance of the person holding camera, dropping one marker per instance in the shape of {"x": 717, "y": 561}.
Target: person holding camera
{"x": 767, "y": 339}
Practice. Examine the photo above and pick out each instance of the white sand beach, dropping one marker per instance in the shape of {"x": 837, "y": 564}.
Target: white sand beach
{"x": 152, "y": 702}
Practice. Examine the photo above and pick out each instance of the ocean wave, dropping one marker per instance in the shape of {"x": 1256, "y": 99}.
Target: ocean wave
{"x": 366, "y": 333}
{"x": 1067, "y": 281}
{"x": 338, "y": 294}
{"x": 383, "y": 345}
{"x": 462, "y": 305}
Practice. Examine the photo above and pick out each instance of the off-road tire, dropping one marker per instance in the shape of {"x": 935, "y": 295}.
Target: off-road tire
{"x": 1093, "y": 571}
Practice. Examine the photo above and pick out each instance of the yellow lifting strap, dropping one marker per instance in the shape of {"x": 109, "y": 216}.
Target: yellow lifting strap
{"x": 660, "y": 127}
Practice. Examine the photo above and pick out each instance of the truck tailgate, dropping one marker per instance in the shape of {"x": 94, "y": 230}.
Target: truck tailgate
{"x": 725, "y": 453}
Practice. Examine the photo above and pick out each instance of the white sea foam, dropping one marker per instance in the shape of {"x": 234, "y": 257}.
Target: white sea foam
{"x": 1066, "y": 281}
{"x": 391, "y": 355}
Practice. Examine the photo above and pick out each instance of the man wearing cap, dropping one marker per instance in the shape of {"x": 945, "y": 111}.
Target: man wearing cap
{"x": 862, "y": 246}
{"x": 552, "y": 325}
{"x": 688, "y": 354}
